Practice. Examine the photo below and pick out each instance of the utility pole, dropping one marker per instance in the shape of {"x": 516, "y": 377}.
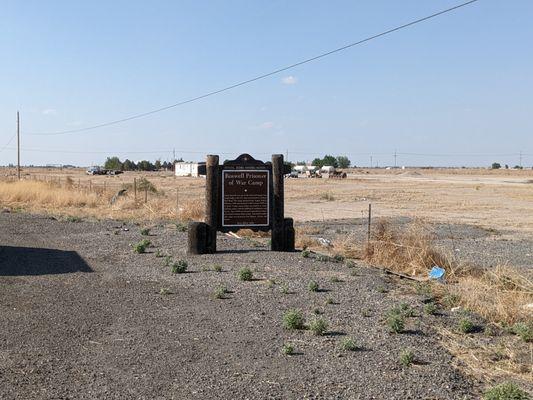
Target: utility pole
{"x": 287, "y": 155}
{"x": 173, "y": 155}
{"x": 395, "y": 158}
{"x": 370, "y": 161}
{"x": 520, "y": 159}
{"x": 18, "y": 145}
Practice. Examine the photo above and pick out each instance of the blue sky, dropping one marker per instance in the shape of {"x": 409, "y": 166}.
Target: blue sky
{"x": 456, "y": 85}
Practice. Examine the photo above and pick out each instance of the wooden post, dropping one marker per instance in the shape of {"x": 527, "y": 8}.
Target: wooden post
{"x": 18, "y": 145}
{"x": 146, "y": 194}
{"x": 90, "y": 186}
{"x": 197, "y": 238}
{"x": 369, "y": 220}
{"x": 211, "y": 203}
{"x": 278, "y": 237}
{"x": 135, "y": 189}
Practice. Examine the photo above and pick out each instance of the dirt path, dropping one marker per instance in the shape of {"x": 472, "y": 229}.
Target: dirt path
{"x": 82, "y": 318}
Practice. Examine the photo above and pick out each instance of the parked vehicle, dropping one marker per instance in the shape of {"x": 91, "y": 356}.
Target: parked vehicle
{"x": 96, "y": 170}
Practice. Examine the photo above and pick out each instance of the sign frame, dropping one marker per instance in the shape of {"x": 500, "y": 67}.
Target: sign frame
{"x": 244, "y": 163}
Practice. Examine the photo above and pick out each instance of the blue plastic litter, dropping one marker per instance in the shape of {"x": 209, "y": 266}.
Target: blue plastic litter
{"x": 437, "y": 273}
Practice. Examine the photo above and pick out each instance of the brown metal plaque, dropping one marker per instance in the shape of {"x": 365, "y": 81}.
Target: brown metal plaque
{"x": 245, "y": 198}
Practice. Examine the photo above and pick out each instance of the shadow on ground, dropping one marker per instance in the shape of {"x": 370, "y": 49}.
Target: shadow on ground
{"x": 20, "y": 261}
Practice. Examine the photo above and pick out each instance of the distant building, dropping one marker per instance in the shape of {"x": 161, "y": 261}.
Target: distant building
{"x": 183, "y": 168}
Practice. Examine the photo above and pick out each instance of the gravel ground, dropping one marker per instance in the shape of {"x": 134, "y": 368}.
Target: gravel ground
{"x": 82, "y": 317}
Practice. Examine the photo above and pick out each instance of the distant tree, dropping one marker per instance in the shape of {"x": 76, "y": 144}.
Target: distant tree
{"x": 113, "y": 163}
{"x": 145, "y": 166}
{"x": 166, "y": 165}
{"x": 330, "y": 161}
{"x": 343, "y": 162}
{"x": 318, "y": 162}
{"x": 300, "y": 163}
{"x": 157, "y": 164}
{"x": 495, "y": 165}
{"x": 128, "y": 165}
{"x": 518, "y": 167}
{"x": 506, "y": 166}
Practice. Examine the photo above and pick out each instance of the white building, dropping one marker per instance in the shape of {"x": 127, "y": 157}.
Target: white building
{"x": 188, "y": 168}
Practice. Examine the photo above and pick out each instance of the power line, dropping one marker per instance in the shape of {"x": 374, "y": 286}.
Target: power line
{"x": 8, "y": 143}
{"x": 266, "y": 75}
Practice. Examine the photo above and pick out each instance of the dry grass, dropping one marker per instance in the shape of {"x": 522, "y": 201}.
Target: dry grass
{"x": 52, "y": 198}
{"x": 303, "y": 241}
{"x": 411, "y": 251}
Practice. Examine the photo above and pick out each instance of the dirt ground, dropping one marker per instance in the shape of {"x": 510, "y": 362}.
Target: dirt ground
{"x": 82, "y": 318}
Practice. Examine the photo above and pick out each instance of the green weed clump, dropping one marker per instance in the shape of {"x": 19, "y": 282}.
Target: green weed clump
{"x": 287, "y": 349}
{"x": 145, "y": 231}
{"x": 430, "y": 308}
{"x": 349, "y": 344}
{"x": 524, "y": 330}
{"x": 245, "y": 274}
{"x": 179, "y": 267}
{"x": 164, "y": 291}
{"x": 313, "y": 286}
{"x": 466, "y": 326}
{"x": 220, "y": 292}
{"x": 141, "y": 247}
{"x": 318, "y": 326}
{"x": 306, "y": 253}
{"x": 217, "y": 268}
{"x": 395, "y": 320}
{"x": 407, "y": 357}
{"x": 506, "y": 391}
{"x": 181, "y": 227}
{"x": 293, "y": 319}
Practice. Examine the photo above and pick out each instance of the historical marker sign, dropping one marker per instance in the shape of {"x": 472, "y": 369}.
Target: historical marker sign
{"x": 245, "y": 198}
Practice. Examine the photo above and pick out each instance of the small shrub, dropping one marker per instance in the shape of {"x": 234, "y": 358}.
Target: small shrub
{"x": 158, "y": 253}
{"x": 335, "y": 279}
{"x": 145, "y": 231}
{"x": 451, "y": 300}
{"x": 407, "y": 357}
{"x": 406, "y": 310}
{"x": 506, "y": 391}
{"x": 168, "y": 261}
{"x": 146, "y": 243}
{"x": 287, "y": 349}
{"x": 313, "y": 286}
{"x": 329, "y": 301}
{"x": 220, "y": 292}
{"x": 181, "y": 227}
{"x": 140, "y": 247}
{"x": 179, "y": 267}
{"x": 349, "y": 344}
{"x": 293, "y": 319}
{"x": 317, "y": 311}
{"x": 524, "y": 330}
{"x": 306, "y": 253}
{"x": 284, "y": 288}
{"x": 423, "y": 289}
{"x": 323, "y": 258}
{"x": 245, "y": 274}
{"x": 430, "y": 308}
{"x": 164, "y": 291}
{"x": 466, "y": 326}
{"x": 217, "y": 268}
{"x": 367, "y": 313}
{"x": 270, "y": 283}
{"x": 382, "y": 289}
{"x": 72, "y": 218}
{"x": 318, "y": 326}
{"x": 338, "y": 257}
{"x": 395, "y": 321}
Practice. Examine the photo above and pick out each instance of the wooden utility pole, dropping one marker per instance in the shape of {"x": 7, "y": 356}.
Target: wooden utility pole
{"x": 369, "y": 220}
{"x": 18, "y": 145}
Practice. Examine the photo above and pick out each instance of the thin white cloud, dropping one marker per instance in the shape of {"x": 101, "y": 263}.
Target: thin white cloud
{"x": 289, "y": 80}
{"x": 49, "y": 111}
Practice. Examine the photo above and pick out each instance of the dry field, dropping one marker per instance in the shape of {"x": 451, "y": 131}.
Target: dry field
{"x": 501, "y": 200}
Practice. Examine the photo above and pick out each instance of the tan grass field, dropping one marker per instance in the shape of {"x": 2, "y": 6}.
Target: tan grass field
{"x": 501, "y": 199}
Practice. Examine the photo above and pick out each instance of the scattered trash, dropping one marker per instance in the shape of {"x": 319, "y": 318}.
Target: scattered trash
{"x": 437, "y": 273}
{"x": 455, "y": 309}
{"x": 324, "y": 242}
{"x": 125, "y": 229}
{"x": 528, "y": 306}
